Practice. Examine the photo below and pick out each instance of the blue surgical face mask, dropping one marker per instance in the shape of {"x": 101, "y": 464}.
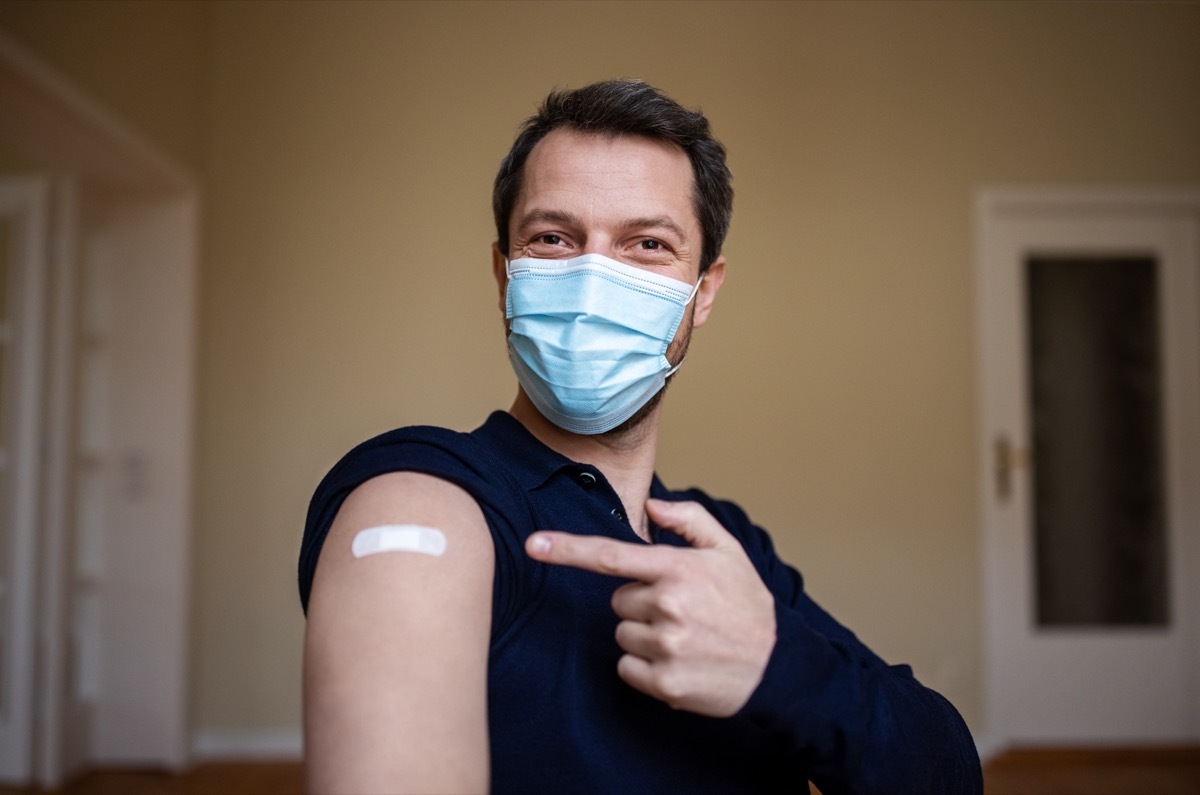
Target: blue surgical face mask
{"x": 588, "y": 337}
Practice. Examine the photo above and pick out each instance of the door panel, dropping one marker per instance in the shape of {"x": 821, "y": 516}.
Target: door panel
{"x": 1095, "y": 401}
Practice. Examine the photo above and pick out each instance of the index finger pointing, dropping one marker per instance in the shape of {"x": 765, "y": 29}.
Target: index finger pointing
{"x": 598, "y": 554}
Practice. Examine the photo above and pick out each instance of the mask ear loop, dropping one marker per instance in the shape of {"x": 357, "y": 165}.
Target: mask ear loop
{"x": 695, "y": 290}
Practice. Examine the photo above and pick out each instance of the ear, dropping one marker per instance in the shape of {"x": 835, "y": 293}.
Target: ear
{"x": 706, "y": 293}
{"x": 500, "y": 271}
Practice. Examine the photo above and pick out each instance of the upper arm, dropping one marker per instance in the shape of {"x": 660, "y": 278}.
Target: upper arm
{"x": 396, "y": 647}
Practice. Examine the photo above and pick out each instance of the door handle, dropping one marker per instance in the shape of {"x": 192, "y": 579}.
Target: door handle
{"x": 1007, "y": 458}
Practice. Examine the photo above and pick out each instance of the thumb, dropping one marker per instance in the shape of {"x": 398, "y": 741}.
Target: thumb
{"x": 689, "y": 520}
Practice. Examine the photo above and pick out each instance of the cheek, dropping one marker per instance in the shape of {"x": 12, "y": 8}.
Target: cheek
{"x": 683, "y": 338}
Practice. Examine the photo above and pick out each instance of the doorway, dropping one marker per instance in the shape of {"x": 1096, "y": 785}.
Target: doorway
{"x": 1089, "y": 376}
{"x": 94, "y": 645}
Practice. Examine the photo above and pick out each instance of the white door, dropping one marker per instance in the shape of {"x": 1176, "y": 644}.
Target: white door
{"x": 100, "y": 404}
{"x": 1090, "y": 461}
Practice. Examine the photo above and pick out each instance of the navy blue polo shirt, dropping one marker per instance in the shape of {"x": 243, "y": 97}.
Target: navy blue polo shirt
{"x": 561, "y": 719}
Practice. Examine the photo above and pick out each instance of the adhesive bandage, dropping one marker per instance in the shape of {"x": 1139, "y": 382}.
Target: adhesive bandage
{"x": 398, "y": 538}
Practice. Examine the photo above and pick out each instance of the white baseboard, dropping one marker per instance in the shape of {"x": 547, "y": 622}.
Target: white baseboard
{"x": 989, "y": 747}
{"x": 211, "y": 745}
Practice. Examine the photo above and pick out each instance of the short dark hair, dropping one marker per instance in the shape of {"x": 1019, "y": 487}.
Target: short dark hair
{"x": 627, "y": 107}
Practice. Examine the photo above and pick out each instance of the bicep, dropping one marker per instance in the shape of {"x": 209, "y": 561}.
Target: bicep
{"x": 396, "y": 647}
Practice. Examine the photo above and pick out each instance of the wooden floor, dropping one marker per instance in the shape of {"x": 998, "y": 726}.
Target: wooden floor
{"x": 231, "y": 778}
{"x": 1159, "y": 771}
{"x": 1164, "y": 771}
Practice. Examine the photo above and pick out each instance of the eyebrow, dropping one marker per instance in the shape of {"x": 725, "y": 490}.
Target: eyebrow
{"x": 544, "y": 216}
{"x": 656, "y": 222}
{"x": 568, "y": 219}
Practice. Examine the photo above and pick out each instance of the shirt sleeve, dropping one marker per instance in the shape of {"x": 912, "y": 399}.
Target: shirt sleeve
{"x": 444, "y": 454}
{"x": 863, "y": 726}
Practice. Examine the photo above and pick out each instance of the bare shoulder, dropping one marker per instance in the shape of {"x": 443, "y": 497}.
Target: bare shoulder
{"x": 409, "y": 498}
{"x": 371, "y": 616}
{"x": 405, "y": 499}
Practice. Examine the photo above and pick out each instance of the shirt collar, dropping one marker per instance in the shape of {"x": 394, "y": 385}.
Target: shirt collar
{"x": 530, "y": 462}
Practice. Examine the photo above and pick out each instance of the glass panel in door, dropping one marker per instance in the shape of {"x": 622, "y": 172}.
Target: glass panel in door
{"x": 1100, "y": 533}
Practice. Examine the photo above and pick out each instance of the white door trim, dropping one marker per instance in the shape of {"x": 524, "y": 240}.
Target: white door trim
{"x": 25, "y": 203}
{"x": 55, "y": 759}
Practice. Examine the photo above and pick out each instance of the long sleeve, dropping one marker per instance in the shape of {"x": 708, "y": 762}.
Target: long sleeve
{"x": 861, "y": 726}
{"x": 864, "y": 727}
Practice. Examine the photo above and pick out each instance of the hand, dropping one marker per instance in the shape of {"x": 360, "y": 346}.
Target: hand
{"x": 697, "y": 624}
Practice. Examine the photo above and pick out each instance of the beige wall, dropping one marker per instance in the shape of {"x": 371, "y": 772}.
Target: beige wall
{"x": 347, "y": 150}
{"x": 146, "y": 60}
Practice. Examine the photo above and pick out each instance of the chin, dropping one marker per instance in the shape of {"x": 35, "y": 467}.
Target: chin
{"x": 638, "y": 417}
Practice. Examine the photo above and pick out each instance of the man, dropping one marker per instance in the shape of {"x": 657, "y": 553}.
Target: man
{"x": 526, "y": 608}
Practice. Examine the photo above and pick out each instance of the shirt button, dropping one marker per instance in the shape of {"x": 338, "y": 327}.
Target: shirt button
{"x": 618, "y": 514}
{"x": 587, "y": 480}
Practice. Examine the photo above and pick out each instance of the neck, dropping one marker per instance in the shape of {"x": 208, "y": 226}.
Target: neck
{"x": 626, "y": 459}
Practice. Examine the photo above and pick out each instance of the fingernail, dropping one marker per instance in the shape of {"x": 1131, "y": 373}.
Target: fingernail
{"x": 539, "y": 543}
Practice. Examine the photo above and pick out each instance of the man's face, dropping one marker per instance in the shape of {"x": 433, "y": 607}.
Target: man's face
{"x": 628, "y": 198}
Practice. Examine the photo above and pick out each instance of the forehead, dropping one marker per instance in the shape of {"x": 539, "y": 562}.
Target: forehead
{"x": 625, "y": 174}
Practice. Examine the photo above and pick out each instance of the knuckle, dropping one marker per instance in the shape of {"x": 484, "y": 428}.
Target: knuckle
{"x": 670, "y": 565}
{"x": 691, "y": 508}
{"x": 671, "y": 643}
{"x": 669, "y": 685}
{"x": 670, "y": 604}
{"x": 608, "y": 559}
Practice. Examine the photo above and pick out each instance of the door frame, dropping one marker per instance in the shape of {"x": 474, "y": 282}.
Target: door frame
{"x": 997, "y": 211}
{"x": 24, "y": 202}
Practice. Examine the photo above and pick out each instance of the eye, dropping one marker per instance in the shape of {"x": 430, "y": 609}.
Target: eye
{"x": 549, "y": 245}
{"x": 651, "y": 250}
